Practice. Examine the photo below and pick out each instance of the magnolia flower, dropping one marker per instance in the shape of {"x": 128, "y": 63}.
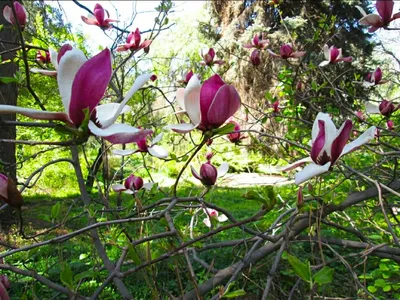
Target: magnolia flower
{"x": 99, "y": 18}
{"x": 152, "y": 149}
{"x": 275, "y": 107}
{"x": 54, "y": 58}
{"x": 208, "y": 106}
{"x": 133, "y": 42}
{"x": 208, "y": 173}
{"x": 385, "y": 108}
{"x": 389, "y": 124}
{"x": 20, "y": 13}
{"x": 82, "y": 83}
{"x": 327, "y": 145}
{"x": 286, "y": 51}
{"x": 257, "y": 43}
{"x": 360, "y": 116}
{"x": 333, "y": 55}
{"x": 132, "y": 185}
{"x": 385, "y": 10}
{"x": 187, "y": 78}
{"x": 235, "y": 137}
{"x": 374, "y": 78}
{"x": 43, "y": 59}
{"x": 4, "y": 285}
{"x": 208, "y": 59}
{"x": 9, "y": 193}
{"x": 212, "y": 213}
{"x": 255, "y": 57}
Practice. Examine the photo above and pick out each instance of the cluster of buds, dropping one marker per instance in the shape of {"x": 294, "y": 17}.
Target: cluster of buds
{"x": 20, "y": 14}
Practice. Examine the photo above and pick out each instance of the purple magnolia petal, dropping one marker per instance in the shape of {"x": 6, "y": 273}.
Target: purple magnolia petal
{"x": 195, "y": 174}
{"x": 334, "y": 53}
{"x": 119, "y": 133}
{"x": 273, "y": 54}
{"x": 286, "y": 50}
{"x": 3, "y": 187}
{"x": 330, "y": 131}
{"x": 158, "y": 151}
{"x": 319, "y": 143}
{"x": 339, "y": 143}
{"x": 346, "y": 59}
{"x": 396, "y": 16}
{"x": 310, "y": 171}
{"x": 67, "y": 69}
{"x": 385, "y": 9}
{"x": 298, "y": 54}
{"x": 368, "y": 135}
{"x": 226, "y": 102}
{"x": 34, "y": 114}
{"x": 89, "y": 85}
{"x": 89, "y": 21}
{"x": 98, "y": 12}
{"x": 182, "y": 127}
{"x": 138, "y": 84}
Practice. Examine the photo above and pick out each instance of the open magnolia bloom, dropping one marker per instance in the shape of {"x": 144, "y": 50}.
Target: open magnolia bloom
{"x": 133, "y": 42}
{"x": 132, "y": 185}
{"x": 385, "y": 10}
{"x": 99, "y": 19}
{"x": 327, "y": 145}
{"x": 286, "y": 51}
{"x": 82, "y": 84}
{"x": 54, "y": 58}
{"x": 208, "y": 106}
{"x": 257, "y": 43}
{"x": 212, "y": 213}
{"x": 152, "y": 149}
{"x": 333, "y": 55}
{"x": 374, "y": 78}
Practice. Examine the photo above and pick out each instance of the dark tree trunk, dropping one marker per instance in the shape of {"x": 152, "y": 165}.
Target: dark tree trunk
{"x": 8, "y": 95}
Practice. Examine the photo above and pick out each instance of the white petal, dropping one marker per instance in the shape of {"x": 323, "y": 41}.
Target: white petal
{"x": 295, "y": 164}
{"x": 368, "y": 135}
{"x": 69, "y": 65}
{"x": 105, "y": 112}
{"x": 130, "y": 192}
{"x": 158, "y": 151}
{"x": 157, "y": 139}
{"x": 207, "y": 222}
{"x": 222, "y": 218}
{"x": 118, "y": 187}
{"x": 182, "y": 127}
{"x": 368, "y": 84}
{"x": 223, "y": 169}
{"x": 118, "y": 133}
{"x": 44, "y": 72}
{"x": 8, "y": 13}
{"x": 139, "y": 83}
{"x": 148, "y": 186}
{"x": 54, "y": 57}
{"x": 372, "y": 108}
{"x": 192, "y": 99}
{"x": 324, "y": 63}
{"x": 362, "y": 11}
{"x": 180, "y": 98}
{"x": 34, "y": 114}
{"x": 123, "y": 152}
{"x": 327, "y": 53}
{"x": 310, "y": 171}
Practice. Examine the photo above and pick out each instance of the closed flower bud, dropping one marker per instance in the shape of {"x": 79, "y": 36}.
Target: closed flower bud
{"x": 255, "y": 57}
{"x": 208, "y": 174}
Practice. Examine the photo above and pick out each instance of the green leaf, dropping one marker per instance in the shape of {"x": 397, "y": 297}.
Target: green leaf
{"x": 301, "y": 269}
{"x": 372, "y": 289}
{"x": 387, "y": 288}
{"x": 66, "y": 276}
{"x": 85, "y": 274}
{"x": 133, "y": 255}
{"x": 235, "y": 294}
{"x": 55, "y": 210}
{"x": 380, "y": 282}
{"x": 8, "y": 80}
{"x": 228, "y": 128}
{"x": 324, "y": 276}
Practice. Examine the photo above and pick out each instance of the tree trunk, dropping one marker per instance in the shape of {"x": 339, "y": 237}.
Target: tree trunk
{"x": 8, "y": 95}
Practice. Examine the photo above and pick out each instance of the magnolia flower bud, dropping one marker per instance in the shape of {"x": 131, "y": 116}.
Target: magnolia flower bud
{"x": 387, "y": 108}
{"x": 208, "y": 174}
{"x": 390, "y": 124}
{"x": 133, "y": 183}
{"x": 255, "y": 57}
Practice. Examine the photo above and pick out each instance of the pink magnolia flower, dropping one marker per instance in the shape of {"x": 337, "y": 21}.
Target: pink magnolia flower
{"x": 390, "y": 124}
{"x": 360, "y": 116}
{"x": 374, "y": 78}
{"x": 187, "y": 78}
{"x": 82, "y": 84}
{"x": 386, "y": 108}
{"x": 327, "y": 145}
{"x": 133, "y": 42}
{"x": 286, "y": 51}
{"x": 235, "y": 137}
{"x": 99, "y": 19}
{"x": 385, "y": 10}
{"x": 208, "y": 106}
{"x": 213, "y": 214}
{"x": 276, "y": 107}
{"x": 333, "y": 55}
{"x": 132, "y": 185}
{"x": 143, "y": 146}
{"x": 44, "y": 59}
{"x": 53, "y": 57}
{"x": 208, "y": 59}
{"x": 300, "y": 197}
{"x": 255, "y": 57}
{"x": 20, "y": 13}
{"x": 9, "y": 193}
{"x": 208, "y": 173}
{"x": 257, "y": 43}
